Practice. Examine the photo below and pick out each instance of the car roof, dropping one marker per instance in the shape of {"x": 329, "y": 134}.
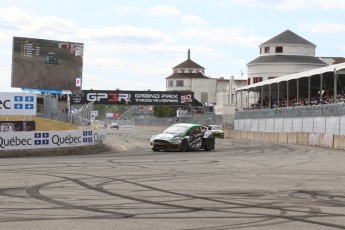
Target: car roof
{"x": 216, "y": 126}
{"x": 186, "y": 124}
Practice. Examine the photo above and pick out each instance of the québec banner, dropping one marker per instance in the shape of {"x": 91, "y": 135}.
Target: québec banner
{"x": 134, "y": 97}
{"x": 18, "y": 104}
{"x": 50, "y": 139}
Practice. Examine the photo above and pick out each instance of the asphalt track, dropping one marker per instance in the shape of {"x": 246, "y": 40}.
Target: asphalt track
{"x": 240, "y": 185}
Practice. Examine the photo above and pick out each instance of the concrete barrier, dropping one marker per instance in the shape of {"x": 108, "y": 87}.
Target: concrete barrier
{"x": 314, "y": 139}
{"x": 302, "y": 138}
{"x": 80, "y": 150}
{"x": 258, "y": 136}
{"x": 326, "y": 140}
{"x": 274, "y": 137}
{"x": 292, "y": 138}
{"x": 226, "y": 133}
{"x": 237, "y": 135}
{"x": 250, "y": 135}
{"x": 265, "y": 137}
{"x": 283, "y": 138}
{"x": 243, "y": 135}
{"x": 339, "y": 142}
{"x": 231, "y": 134}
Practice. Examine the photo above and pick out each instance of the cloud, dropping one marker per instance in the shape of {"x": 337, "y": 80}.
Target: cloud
{"x": 238, "y": 62}
{"x": 14, "y": 15}
{"x": 294, "y": 5}
{"x": 191, "y": 19}
{"x": 165, "y": 10}
{"x": 324, "y": 28}
{"x": 230, "y": 36}
{"x": 18, "y": 22}
{"x": 98, "y": 82}
{"x": 126, "y": 34}
{"x": 172, "y": 13}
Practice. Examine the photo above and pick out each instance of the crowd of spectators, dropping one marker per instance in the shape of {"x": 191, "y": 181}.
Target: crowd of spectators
{"x": 315, "y": 99}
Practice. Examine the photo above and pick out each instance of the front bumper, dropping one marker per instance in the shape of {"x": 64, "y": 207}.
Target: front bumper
{"x": 218, "y": 134}
{"x": 165, "y": 145}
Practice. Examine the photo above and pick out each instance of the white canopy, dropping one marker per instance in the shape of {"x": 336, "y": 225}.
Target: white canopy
{"x": 308, "y": 73}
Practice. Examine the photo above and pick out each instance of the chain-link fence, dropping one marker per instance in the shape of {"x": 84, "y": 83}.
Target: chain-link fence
{"x": 82, "y": 116}
{"x": 328, "y": 119}
{"x": 226, "y": 121}
{"x": 299, "y": 111}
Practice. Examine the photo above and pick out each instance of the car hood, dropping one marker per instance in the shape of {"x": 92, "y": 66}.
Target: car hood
{"x": 166, "y": 136}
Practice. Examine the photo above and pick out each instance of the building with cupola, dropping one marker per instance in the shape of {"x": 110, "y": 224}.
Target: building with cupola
{"x": 190, "y": 76}
{"x": 287, "y": 53}
{"x": 284, "y": 54}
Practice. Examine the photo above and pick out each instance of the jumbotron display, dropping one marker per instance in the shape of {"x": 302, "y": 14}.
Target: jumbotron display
{"x": 46, "y": 64}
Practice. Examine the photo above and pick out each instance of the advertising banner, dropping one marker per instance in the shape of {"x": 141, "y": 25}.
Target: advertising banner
{"x": 15, "y": 126}
{"x": 133, "y": 97}
{"x": 18, "y": 104}
{"x": 50, "y": 139}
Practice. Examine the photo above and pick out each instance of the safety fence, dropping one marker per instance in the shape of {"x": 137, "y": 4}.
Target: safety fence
{"x": 153, "y": 123}
{"x": 298, "y": 111}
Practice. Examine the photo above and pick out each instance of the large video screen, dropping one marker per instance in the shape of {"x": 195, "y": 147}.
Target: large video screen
{"x": 46, "y": 64}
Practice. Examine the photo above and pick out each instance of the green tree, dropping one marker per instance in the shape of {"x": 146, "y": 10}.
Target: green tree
{"x": 164, "y": 111}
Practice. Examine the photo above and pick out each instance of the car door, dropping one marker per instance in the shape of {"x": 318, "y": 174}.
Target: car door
{"x": 195, "y": 137}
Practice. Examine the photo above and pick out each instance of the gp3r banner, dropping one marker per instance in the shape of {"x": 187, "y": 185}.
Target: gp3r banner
{"x": 133, "y": 97}
{"x": 18, "y": 104}
{"x": 50, "y": 139}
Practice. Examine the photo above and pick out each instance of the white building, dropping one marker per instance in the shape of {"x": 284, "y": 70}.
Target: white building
{"x": 189, "y": 76}
{"x": 284, "y": 54}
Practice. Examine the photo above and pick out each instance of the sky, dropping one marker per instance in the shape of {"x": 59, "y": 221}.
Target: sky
{"x": 134, "y": 44}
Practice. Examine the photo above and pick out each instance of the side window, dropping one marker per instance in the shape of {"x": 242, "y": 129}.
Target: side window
{"x": 195, "y": 130}
{"x": 257, "y": 79}
{"x": 179, "y": 83}
{"x": 279, "y": 49}
{"x": 170, "y": 83}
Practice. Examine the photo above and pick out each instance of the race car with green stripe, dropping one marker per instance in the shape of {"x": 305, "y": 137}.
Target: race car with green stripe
{"x": 183, "y": 137}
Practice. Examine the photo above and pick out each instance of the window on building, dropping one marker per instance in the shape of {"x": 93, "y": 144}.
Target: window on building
{"x": 170, "y": 83}
{"x": 179, "y": 83}
{"x": 260, "y": 50}
{"x": 267, "y": 50}
{"x": 257, "y": 79}
{"x": 271, "y": 78}
{"x": 279, "y": 49}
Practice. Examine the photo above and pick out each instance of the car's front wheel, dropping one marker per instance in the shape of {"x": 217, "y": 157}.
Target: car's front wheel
{"x": 209, "y": 145}
{"x": 184, "y": 146}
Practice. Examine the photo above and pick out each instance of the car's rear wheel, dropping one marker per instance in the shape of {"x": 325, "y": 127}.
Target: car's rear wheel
{"x": 209, "y": 145}
{"x": 155, "y": 149}
{"x": 184, "y": 146}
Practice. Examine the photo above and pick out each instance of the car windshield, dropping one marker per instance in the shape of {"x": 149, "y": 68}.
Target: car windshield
{"x": 176, "y": 129}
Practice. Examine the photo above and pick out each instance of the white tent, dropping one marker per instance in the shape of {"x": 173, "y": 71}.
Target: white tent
{"x": 329, "y": 79}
